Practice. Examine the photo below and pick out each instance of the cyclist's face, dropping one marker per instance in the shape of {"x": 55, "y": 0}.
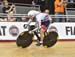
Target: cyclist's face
{"x": 31, "y": 17}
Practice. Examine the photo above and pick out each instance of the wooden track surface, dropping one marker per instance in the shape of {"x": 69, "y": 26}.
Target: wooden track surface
{"x": 61, "y": 49}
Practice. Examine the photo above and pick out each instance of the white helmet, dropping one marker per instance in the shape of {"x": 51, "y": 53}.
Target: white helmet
{"x": 33, "y": 13}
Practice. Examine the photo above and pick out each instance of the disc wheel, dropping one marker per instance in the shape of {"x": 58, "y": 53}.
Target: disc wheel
{"x": 50, "y": 39}
{"x": 24, "y": 39}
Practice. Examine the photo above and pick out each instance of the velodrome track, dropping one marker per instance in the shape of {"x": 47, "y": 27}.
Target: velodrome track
{"x": 61, "y": 49}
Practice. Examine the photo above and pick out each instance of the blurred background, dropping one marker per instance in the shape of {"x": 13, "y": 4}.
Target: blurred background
{"x": 19, "y": 9}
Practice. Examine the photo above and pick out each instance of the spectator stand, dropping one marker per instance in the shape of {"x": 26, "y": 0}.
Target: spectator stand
{"x": 70, "y": 10}
{"x": 22, "y": 8}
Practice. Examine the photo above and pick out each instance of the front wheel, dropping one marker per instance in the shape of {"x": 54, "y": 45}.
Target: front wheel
{"x": 24, "y": 39}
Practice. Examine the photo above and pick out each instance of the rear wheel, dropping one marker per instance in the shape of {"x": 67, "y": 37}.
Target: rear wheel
{"x": 50, "y": 39}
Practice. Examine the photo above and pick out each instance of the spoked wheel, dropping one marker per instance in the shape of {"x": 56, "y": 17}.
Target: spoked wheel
{"x": 50, "y": 39}
{"x": 24, "y": 39}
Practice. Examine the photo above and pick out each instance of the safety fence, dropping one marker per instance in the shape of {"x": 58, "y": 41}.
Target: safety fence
{"x": 55, "y": 18}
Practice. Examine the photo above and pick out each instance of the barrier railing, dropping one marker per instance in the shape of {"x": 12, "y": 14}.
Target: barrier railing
{"x": 65, "y": 18}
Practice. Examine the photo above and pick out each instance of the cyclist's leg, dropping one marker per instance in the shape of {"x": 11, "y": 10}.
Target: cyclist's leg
{"x": 44, "y": 26}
